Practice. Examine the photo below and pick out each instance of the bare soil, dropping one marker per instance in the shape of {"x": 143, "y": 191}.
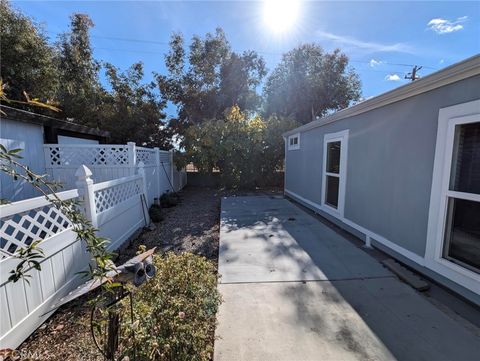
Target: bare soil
{"x": 191, "y": 226}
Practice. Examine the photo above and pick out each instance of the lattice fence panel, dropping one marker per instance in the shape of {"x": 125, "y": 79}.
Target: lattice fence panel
{"x": 145, "y": 155}
{"x": 109, "y": 197}
{"x": 21, "y": 229}
{"x": 97, "y": 155}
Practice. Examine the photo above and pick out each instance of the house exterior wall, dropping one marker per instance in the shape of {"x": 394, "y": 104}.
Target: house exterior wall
{"x": 391, "y": 151}
{"x": 29, "y": 137}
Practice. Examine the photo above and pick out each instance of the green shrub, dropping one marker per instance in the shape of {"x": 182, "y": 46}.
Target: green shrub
{"x": 247, "y": 151}
{"x": 168, "y": 199}
{"x": 155, "y": 213}
{"x": 176, "y": 310}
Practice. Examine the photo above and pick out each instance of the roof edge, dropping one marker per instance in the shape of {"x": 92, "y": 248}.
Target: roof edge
{"x": 25, "y": 116}
{"x": 453, "y": 73}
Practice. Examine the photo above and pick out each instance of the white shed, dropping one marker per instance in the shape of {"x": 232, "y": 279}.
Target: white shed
{"x": 30, "y": 131}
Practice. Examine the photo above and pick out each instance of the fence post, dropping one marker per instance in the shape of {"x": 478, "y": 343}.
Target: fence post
{"x": 171, "y": 171}
{"x": 48, "y": 160}
{"x": 132, "y": 157}
{"x": 158, "y": 165}
{"x": 84, "y": 184}
{"x": 46, "y": 154}
{"x": 141, "y": 171}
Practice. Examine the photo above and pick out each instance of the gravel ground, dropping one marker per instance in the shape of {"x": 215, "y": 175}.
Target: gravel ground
{"x": 191, "y": 226}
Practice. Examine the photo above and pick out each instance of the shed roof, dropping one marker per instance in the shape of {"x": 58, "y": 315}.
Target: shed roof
{"x": 30, "y": 117}
{"x": 459, "y": 71}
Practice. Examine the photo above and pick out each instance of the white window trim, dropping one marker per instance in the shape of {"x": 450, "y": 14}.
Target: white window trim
{"x": 342, "y": 137}
{"x": 294, "y": 146}
{"x": 448, "y": 118}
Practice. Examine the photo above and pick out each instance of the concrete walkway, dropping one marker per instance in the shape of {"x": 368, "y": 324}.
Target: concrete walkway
{"x": 294, "y": 289}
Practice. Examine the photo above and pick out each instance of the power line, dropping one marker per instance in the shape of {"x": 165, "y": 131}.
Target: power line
{"x": 131, "y": 40}
{"x": 143, "y": 41}
{"x": 413, "y": 74}
{"x": 130, "y": 51}
{"x": 161, "y": 53}
{"x": 388, "y": 63}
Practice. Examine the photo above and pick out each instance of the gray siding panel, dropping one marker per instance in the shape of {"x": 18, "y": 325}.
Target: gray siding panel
{"x": 390, "y": 163}
{"x": 29, "y": 137}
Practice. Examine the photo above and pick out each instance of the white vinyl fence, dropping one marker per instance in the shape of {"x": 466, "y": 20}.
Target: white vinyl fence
{"x": 179, "y": 178}
{"x": 112, "y": 161}
{"x": 116, "y": 207}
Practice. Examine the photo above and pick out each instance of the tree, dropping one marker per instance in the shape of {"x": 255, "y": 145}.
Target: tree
{"x": 80, "y": 91}
{"x": 27, "y": 61}
{"x": 308, "y": 83}
{"x": 132, "y": 111}
{"x": 248, "y": 152}
{"x": 68, "y": 72}
{"x": 209, "y": 78}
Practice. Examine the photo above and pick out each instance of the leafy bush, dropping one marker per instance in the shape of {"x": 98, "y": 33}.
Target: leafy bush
{"x": 176, "y": 310}
{"x": 155, "y": 213}
{"x": 168, "y": 199}
{"x": 248, "y": 152}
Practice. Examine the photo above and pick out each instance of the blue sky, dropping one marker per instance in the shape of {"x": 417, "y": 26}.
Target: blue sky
{"x": 379, "y": 37}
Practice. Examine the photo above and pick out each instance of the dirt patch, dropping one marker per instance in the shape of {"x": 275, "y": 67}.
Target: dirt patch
{"x": 191, "y": 226}
{"x": 349, "y": 342}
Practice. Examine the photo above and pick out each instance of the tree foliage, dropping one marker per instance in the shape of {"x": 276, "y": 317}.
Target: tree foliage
{"x": 27, "y": 60}
{"x": 309, "y": 82}
{"x": 80, "y": 92}
{"x": 247, "y": 151}
{"x": 132, "y": 111}
{"x": 68, "y": 72}
{"x": 209, "y": 78}
{"x": 213, "y": 87}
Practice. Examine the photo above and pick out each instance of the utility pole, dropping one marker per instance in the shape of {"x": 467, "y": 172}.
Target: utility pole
{"x": 413, "y": 75}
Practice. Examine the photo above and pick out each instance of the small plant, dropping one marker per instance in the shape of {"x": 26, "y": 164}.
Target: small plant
{"x": 155, "y": 213}
{"x": 176, "y": 310}
{"x": 168, "y": 199}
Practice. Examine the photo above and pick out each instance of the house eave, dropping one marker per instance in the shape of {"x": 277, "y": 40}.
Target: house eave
{"x": 25, "y": 116}
{"x": 451, "y": 74}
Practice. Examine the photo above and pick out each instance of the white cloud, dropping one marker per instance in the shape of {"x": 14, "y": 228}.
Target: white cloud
{"x": 444, "y": 26}
{"x": 365, "y": 45}
{"x": 373, "y": 63}
{"x": 392, "y": 77}
{"x": 441, "y": 61}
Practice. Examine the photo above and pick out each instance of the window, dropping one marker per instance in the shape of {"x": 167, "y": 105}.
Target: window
{"x": 294, "y": 142}
{"x": 453, "y": 236}
{"x": 334, "y": 172}
{"x": 461, "y": 243}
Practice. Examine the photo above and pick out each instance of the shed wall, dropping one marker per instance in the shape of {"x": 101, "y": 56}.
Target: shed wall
{"x": 29, "y": 137}
{"x": 64, "y": 139}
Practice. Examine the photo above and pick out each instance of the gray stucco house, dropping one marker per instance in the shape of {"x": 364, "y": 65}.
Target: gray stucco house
{"x": 402, "y": 172}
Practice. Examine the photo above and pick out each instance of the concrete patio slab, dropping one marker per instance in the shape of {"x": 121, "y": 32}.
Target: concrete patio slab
{"x": 266, "y": 239}
{"x": 375, "y": 319}
{"x": 297, "y": 290}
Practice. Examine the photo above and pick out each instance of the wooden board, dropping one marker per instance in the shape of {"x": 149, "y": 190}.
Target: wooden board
{"x": 406, "y": 275}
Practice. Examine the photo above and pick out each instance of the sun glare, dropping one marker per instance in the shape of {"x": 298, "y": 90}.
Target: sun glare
{"x": 281, "y": 15}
